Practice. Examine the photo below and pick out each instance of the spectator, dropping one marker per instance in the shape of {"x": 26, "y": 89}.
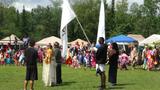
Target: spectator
{"x": 113, "y": 54}
{"x": 31, "y": 56}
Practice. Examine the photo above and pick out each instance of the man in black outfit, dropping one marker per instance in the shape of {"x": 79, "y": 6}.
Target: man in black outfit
{"x": 101, "y": 56}
{"x": 31, "y": 56}
{"x": 57, "y": 53}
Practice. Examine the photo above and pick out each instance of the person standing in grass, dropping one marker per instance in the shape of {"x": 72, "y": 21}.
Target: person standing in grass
{"x": 49, "y": 67}
{"x": 101, "y": 56}
{"x": 123, "y": 60}
{"x": 113, "y": 53}
{"x": 2, "y": 62}
{"x": 57, "y": 54}
{"x": 31, "y": 56}
{"x": 134, "y": 56}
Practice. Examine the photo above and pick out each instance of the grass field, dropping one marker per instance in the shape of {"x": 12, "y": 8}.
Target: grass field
{"x": 11, "y": 78}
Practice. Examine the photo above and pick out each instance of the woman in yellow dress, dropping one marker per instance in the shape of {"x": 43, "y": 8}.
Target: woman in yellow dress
{"x": 48, "y": 74}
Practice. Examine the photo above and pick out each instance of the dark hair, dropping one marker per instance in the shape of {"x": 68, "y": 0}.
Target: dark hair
{"x": 101, "y": 40}
{"x": 56, "y": 44}
{"x": 32, "y": 43}
{"x": 115, "y": 46}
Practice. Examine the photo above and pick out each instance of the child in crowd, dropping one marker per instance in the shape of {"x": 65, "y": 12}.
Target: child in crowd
{"x": 21, "y": 57}
{"x": 144, "y": 58}
{"x": 75, "y": 63}
{"x": 93, "y": 59}
{"x": 149, "y": 56}
{"x": 80, "y": 57}
{"x": 40, "y": 54}
{"x": 123, "y": 60}
{"x": 16, "y": 57}
{"x": 8, "y": 56}
{"x": 68, "y": 59}
{"x": 87, "y": 59}
{"x": 1, "y": 58}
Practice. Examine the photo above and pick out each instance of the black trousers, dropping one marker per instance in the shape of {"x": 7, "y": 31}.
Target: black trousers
{"x": 58, "y": 73}
{"x": 112, "y": 77}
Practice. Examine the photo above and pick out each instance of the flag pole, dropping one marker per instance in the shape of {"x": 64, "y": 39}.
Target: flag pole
{"x": 83, "y": 30}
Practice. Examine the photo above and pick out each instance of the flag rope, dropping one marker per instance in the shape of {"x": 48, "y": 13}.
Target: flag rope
{"x": 83, "y": 30}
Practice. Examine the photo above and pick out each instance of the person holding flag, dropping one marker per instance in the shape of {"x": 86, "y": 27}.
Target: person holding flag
{"x": 101, "y": 56}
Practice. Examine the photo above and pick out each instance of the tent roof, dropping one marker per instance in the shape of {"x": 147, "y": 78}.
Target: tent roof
{"x": 151, "y": 39}
{"x": 48, "y": 40}
{"x": 121, "y": 38}
{"x": 137, "y": 37}
{"x": 11, "y": 39}
{"x": 79, "y": 41}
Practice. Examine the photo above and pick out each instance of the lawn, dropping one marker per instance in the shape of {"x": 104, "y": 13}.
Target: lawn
{"x": 11, "y": 78}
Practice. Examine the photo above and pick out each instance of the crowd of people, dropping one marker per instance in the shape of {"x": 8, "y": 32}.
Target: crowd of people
{"x": 148, "y": 58}
{"x": 151, "y": 58}
{"x": 9, "y": 55}
{"x": 81, "y": 55}
{"x": 87, "y": 56}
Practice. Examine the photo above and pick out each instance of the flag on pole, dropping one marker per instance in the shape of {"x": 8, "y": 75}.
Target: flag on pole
{"x": 67, "y": 16}
{"x": 101, "y": 25}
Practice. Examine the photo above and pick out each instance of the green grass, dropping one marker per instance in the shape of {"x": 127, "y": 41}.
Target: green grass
{"x": 12, "y": 77}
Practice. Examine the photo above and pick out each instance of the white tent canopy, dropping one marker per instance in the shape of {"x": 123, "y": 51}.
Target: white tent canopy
{"x": 48, "y": 40}
{"x": 11, "y": 39}
{"x": 137, "y": 37}
{"x": 80, "y": 41}
{"x": 150, "y": 40}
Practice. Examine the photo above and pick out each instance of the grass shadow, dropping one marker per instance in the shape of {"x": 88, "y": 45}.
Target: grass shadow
{"x": 66, "y": 83}
{"x": 125, "y": 84}
{"x": 120, "y": 86}
{"x": 116, "y": 87}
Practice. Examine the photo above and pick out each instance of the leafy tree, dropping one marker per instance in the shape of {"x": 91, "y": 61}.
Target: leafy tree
{"x": 121, "y": 18}
{"x": 150, "y": 13}
{"x": 87, "y": 12}
{"x": 45, "y": 21}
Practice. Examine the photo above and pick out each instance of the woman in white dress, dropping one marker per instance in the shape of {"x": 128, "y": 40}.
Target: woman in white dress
{"x": 49, "y": 67}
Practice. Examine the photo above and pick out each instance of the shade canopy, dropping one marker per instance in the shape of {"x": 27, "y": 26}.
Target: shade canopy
{"x": 121, "y": 39}
{"x": 137, "y": 37}
{"x": 80, "y": 41}
{"x": 11, "y": 39}
{"x": 48, "y": 40}
{"x": 151, "y": 39}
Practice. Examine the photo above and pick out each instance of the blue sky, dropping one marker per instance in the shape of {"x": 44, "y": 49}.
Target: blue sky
{"x": 29, "y": 4}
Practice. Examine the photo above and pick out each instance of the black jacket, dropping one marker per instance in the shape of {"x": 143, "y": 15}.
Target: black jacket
{"x": 101, "y": 54}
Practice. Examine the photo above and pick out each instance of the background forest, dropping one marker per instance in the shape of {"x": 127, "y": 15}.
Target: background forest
{"x": 45, "y": 21}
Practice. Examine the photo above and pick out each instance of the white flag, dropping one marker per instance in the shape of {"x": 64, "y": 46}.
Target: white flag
{"x": 67, "y": 16}
{"x": 64, "y": 38}
{"x": 101, "y": 25}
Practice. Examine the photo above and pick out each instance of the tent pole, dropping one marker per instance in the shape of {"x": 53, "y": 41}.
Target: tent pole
{"x": 124, "y": 48}
{"x": 83, "y": 30}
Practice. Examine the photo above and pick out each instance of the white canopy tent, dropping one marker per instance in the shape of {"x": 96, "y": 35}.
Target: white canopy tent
{"x": 137, "y": 37}
{"x": 48, "y": 40}
{"x": 150, "y": 40}
{"x": 80, "y": 41}
{"x": 11, "y": 39}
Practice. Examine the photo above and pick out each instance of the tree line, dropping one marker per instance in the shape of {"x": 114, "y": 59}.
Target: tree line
{"x": 42, "y": 22}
